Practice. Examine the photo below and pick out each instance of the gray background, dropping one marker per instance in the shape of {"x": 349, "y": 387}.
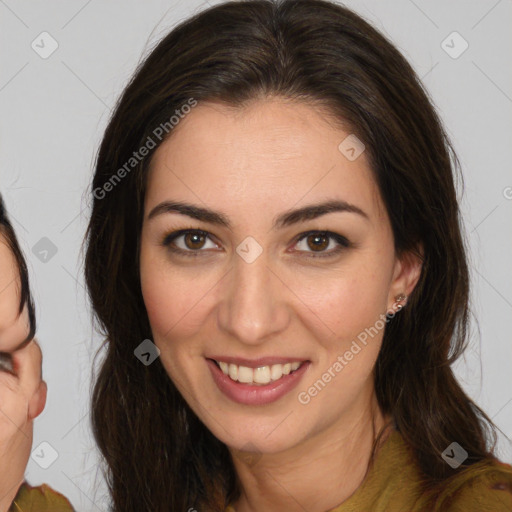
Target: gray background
{"x": 54, "y": 111}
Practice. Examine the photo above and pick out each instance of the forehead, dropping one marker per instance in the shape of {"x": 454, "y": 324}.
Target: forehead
{"x": 272, "y": 154}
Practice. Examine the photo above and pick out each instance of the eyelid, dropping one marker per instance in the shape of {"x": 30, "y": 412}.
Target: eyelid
{"x": 170, "y": 237}
{"x": 343, "y": 242}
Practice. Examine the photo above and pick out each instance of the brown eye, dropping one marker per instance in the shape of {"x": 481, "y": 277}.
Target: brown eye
{"x": 318, "y": 241}
{"x": 187, "y": 242}
{"x": 194, "y": 240}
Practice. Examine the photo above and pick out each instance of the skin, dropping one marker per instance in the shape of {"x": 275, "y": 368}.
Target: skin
{"x": 23, "y": 392}
{"x": 258, "y": 162}
{"x": 14, "y": 327}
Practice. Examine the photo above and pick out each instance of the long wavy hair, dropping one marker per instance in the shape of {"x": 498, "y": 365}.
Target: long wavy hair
{"x": 157, "y": 454}
{"x": 9, "y": 236}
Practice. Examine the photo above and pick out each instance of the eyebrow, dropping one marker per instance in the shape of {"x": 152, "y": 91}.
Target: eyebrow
{"x": 287, "y": 218}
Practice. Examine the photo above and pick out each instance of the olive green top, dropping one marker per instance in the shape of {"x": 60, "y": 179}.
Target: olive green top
{"x": 39, "y": 499}
{"x": 392, "y": 485}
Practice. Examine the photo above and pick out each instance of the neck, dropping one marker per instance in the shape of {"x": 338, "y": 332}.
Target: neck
{"x": 335, "y": 459}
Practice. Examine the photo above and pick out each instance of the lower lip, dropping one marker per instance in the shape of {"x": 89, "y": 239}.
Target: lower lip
{"x": 256, "y": 395}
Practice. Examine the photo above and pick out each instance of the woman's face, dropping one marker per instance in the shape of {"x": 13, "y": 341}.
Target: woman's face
{"x": 14, "y": 328}
{"x": 253, "y": 292}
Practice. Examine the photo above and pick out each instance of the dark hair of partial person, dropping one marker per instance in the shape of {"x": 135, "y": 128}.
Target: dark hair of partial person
{"x": 157, "y": 455}
{"x": 7, "y": 232}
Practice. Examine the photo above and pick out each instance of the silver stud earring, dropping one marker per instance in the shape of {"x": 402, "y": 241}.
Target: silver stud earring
{"x": 399, "y": 298}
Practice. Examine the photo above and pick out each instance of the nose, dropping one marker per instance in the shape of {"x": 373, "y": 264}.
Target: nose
{"x": 254, "y": 306}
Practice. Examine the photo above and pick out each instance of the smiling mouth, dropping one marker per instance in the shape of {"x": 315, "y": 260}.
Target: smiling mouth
{"x": 262, "y": 375}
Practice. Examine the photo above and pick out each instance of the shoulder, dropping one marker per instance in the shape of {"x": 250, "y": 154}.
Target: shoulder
{"x": 481, "y": 488}
{"x": 40, "y": 499}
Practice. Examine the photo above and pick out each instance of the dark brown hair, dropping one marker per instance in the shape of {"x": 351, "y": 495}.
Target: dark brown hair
{"x": 158, "y": 455}
{"x": 7, "y": 231}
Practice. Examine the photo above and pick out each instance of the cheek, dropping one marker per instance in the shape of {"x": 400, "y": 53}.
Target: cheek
{"x": 161, "y": 305}
{"x": 173, "y": 300}
{"x": 167, "y": 302}
{"x": 170, "y": 301}
{"x": 351, "y": 307}
{"x": 352, "y": 304}
{"x": 346, "y": 303}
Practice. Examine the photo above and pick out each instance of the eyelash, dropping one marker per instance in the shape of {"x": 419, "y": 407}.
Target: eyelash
{"x": 341, "y": 240}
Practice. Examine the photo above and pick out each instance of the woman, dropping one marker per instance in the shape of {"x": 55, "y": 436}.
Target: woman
{"x": 275, "y": 257}
{"x": 22, "y": 390}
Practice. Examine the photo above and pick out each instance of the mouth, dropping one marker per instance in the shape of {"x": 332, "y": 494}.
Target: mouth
{"x": 258, "y": 384}
{"x": 254, "y": 375}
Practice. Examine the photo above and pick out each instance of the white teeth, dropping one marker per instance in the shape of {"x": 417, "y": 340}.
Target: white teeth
{"x": 245, "y": 374}
{"x": 261, "y": 375}
{"x": 276, "y": 372}
{"x": 233, "y": 371}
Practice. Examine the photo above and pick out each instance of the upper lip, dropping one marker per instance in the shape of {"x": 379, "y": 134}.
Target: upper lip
{"x": 255, "y": 363}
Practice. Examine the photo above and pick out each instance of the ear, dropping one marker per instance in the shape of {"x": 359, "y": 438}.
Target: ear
{"x": 406, "y": 274}
{"x": 38, "y": 401}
